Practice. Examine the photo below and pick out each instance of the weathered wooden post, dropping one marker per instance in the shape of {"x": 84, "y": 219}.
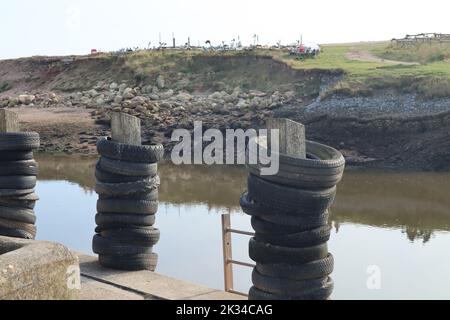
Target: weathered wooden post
{"x": 9, "y": 121}
{"x": 18, "y": 173}
{"x": 290, "y": 215}
{"x": 127, "y": 184}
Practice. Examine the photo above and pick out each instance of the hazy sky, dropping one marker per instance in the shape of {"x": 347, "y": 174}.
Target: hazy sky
{"x": 56, "y": 27}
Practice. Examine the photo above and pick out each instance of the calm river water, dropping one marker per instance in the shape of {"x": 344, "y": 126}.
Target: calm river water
{"x": 398, "y": 222}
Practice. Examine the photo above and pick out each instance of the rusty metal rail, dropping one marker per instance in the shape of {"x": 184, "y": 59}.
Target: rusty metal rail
{"x": 228, "y": 261}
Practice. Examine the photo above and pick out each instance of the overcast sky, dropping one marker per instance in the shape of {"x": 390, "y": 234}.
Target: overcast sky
{"x": 57, "y": 27}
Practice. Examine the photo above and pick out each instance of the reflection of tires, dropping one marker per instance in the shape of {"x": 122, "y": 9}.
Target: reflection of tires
{"x": 117, "y": 219}
{"x": 306, "y": 221}
{"x": 17, "y": 182}
{"x": 320, "y": 294}
{"x": 147, "y": 235}
{"x": 19, "y": 168}
{"x": 300, "y": 239}
{"x": 107, "y": 177}
{"x": 15, "y": 192}
{"x": 289, "y": 200}
{"x": 127, "y": 188}
{"x": 266, "y": 227}
{"x": 128, "y": 168}
{"x": 127, "y": 206}
{"x": 26, "y": 202}
{"x": 145, "y": 153}
{"x": 18, "y": 141}
{"x": 288, "y": 287}
{"x": 29, "y": 228}
{"x": 130, "y": 262}
{"x": 15, "y": 233}
{"x": 311, "y": 270}
{"x": 266, "y": 253}
{"x": 105, "y": 246}
{"x": 16, "y": 155}
{"x": 17, "y": 214}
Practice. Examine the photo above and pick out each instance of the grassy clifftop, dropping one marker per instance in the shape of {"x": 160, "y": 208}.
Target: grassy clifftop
{"x": 424, "y": 69}
{"x": 363, "y": 68}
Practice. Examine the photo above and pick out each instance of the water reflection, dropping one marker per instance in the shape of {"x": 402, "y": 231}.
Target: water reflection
{"x": 416, "y": 203}
{"x": 379, "y": 218}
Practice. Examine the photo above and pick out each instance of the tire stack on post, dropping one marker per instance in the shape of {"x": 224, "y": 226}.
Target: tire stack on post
{"x": 127, "y": 184}
{"x": 289, "y": 213}
{"x": 18, "y": 173}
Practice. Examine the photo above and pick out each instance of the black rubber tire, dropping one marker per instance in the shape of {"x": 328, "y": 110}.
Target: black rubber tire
{"x": 17, "y": 214}
{"x": 17, "y": 182}
{"x": 7, "y": 156}
{"x": 323, "y": 168}
{"x": 107, "y": 177}
{"x": 297, "y": 240}
{"x": 325, "y": 159}
{"x": 145, "y": 236}
{"x": 15, "y": 192}
{"x": 119, "y": 151}
{"x": 19, "y": 168}
{"x": 266, "y": 227}
{"x": 152, "y": 196}
{"x": 288, "y": 287}
{"x": 105, "y": 246}
{"x": 117, "y": 219}
{"x": 311, "y": 270}
{"x": 129, "y": 262}
{"x": 266, "y": 253}
{"x": 127, "y": 188}
{"x": 306, "y": 221}
{"x": 19, "y": 141}
{"x": 29, "y": 228}
{"x": 128, "y": 168}
{"x": 289, "y": 200}
{"x": 127, "y": 206}
{"x": 25, "y": 202}
{"x": 321, "y": 294}
{"x": 16, "y": 233}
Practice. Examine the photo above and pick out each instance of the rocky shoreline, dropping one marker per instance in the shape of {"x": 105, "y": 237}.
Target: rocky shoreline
{"x": 385, "y": 130}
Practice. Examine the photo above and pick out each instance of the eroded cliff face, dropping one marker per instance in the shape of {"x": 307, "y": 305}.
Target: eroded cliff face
{"x": 386, "y": 128}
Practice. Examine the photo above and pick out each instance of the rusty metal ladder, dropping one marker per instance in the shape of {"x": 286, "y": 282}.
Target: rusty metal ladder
{"x": 228, "y": 261}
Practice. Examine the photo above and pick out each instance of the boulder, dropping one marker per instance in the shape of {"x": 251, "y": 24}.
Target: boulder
{"x": 242, "y": 104}
{"x": 154, "y": 96}
{"x": 128, "y": 93}
{"x": 167, "y": 94}
{"x": 160, "y": 82}
{"x": 114, "y": 86}
{"x": 118, "y": 99}
{"x": 26, "y": 98}
{"x": 183, "y": 97}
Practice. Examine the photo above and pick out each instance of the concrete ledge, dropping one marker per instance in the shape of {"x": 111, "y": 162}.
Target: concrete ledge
{"x": 140, "y": 285}
{"x": 37, "y": 270}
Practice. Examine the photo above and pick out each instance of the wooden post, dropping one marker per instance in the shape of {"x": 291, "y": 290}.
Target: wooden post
{"x": 292, "y": 140}
{"x": 9, "y": 121}
{"x": 126, "y": 129}
{"x": 227, "y": 253}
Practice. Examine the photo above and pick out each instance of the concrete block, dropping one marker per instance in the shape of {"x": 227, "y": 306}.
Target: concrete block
{"x": 37, "y": 270}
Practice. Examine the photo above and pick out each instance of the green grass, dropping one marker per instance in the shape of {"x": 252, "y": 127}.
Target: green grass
{"x": 425, "y": 53}
{"x": 4, "y": 87}
{"x": 385, "y": 68}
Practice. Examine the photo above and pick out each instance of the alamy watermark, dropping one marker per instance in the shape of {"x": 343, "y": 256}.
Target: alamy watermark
{"x": 374, "y": 279}
{"x": 191, "y": 150}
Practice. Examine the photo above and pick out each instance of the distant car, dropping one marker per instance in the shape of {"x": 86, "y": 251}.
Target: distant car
{"x": 94, "y": 51}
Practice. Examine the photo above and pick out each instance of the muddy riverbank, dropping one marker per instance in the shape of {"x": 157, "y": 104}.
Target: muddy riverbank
{"x": 70, "y": 107}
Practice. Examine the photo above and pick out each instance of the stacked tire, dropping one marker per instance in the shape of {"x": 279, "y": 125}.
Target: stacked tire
{"x": 127, "y": 184}
{"x": 18, "y": 172}
{"x": 289, "y": 213}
